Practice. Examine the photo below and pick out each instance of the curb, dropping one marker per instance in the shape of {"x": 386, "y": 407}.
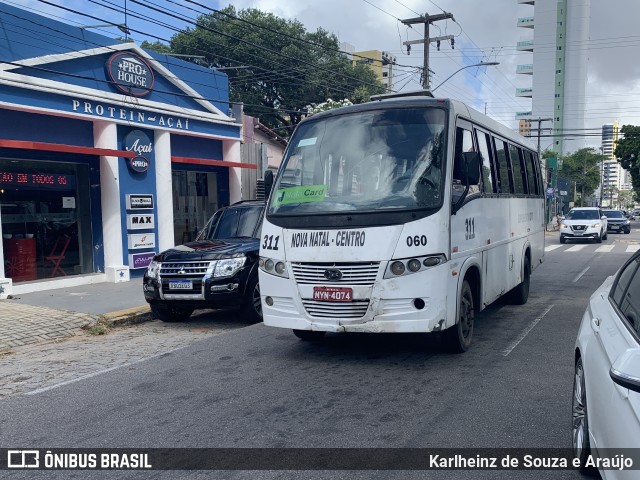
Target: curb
{"x": 127, "y": 316}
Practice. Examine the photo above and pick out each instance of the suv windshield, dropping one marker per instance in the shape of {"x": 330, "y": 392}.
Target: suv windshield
{"x": 614, "y": 214}
{"x": 364, "y": 161}
{"x": 233, "y": 222}
{"x": 582, "y": 215}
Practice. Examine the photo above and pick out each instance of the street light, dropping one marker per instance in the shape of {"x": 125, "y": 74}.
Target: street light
{"x": 481, "y": 64}
{"x": 121, "y": 26}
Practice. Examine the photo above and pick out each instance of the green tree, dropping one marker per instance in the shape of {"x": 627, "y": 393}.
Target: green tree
{"x": 583, "y": 168}
{"x": 275, "y": 67}
{"x": 328, "y": 105}
{"x": 626, "y": 199}
{"x": 156, "y": 47}
{"x": 628, "y": 154}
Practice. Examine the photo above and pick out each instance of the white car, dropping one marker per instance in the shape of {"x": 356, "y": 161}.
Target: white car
{"x": 584, "y": 222}
{"x": 606, "y": 387}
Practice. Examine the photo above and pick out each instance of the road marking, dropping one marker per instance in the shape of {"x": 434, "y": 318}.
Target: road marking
{"x": 576, "y": 248}
{"x": 580, "y": 275}
{"x": 100, "y": 372}
{"x": 633, "y": 248}
{"x": 525, "y": 332}
{"x": 605, "y": 248}
{"x": 551, "y": 247}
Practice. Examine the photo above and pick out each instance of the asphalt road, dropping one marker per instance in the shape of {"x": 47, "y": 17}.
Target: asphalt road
{"x": 262, "y": 387}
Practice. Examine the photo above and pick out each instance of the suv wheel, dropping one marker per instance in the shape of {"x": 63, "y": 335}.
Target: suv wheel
{"x": 251, "y": 307}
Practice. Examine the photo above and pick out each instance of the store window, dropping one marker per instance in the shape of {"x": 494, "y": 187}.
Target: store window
{"x": 45, "y": 210}
{"x": 195, "y": 200}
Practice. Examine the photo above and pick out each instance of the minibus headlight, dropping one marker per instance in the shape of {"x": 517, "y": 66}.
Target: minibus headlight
{"x": 409, "y": 266}
{"x": 397, "y": 268}
{"x": 431, "y": 261}
{"x": 273, "y": 267}
{"x": 413, "y": 265}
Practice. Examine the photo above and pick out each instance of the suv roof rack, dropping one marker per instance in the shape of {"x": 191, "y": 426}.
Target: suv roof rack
{"x": 411, "y": 93}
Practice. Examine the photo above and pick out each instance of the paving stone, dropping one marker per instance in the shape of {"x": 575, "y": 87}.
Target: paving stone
{"x": 78, "y": 353}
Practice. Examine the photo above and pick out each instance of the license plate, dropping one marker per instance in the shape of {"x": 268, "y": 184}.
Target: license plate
{"x": 332, "y": 294}
{"x": 180, "y": 285}
{"x": 615, "y": 227}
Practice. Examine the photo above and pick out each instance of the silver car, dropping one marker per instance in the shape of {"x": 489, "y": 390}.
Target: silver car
{"x": 606, "y": 388}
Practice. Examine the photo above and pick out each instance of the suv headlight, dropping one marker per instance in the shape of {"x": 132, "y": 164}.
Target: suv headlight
{"x": 153, "y": 270}
{"x": 595, "y": 225}
{"x": 227, "y": 267}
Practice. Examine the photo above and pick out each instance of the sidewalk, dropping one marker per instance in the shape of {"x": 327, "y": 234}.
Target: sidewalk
{"x": 31, "y": 318}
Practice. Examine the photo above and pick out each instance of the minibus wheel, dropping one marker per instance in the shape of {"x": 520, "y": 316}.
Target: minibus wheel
{"x": 458, "y": 338}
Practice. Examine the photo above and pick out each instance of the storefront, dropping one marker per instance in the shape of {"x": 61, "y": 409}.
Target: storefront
{"x": 108, "y": 154}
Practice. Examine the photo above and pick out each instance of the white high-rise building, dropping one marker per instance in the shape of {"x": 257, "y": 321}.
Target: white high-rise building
{"x": 614, "y": 178}
{"x": 560, "y": 30}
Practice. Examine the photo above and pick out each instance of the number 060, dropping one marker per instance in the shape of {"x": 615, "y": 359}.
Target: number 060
{"x": 417, "y": 240}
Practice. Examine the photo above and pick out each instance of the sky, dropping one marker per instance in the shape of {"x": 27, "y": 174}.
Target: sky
{"x": 485, "y": 31}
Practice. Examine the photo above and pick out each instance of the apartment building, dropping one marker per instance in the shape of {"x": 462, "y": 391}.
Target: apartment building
{"x": 554, "y": 75}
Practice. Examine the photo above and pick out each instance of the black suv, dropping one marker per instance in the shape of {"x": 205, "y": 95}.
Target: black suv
{"x": 218, "y": 269}
{"x": 617, "y": 221}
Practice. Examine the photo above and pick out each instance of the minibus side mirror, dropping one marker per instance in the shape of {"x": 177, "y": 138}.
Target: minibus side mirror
{"x": 268, "y": 183}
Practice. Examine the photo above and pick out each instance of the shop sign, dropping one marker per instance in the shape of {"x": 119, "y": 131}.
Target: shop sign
{"x": 139, "y": 143}
{"x": 141, "y": 240}
{"x": 140, "y": 260}
{"x": 140, "y": 221}
{"x": 49, "y": 181}
{"x": 129, "y": 115}
{"x": 130, "y": 73}
{"x": 139, "y": 201}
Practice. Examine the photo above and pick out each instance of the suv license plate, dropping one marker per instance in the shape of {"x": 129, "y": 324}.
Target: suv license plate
{"x": 180, "y": 285}
{"x": 332, "y": 294}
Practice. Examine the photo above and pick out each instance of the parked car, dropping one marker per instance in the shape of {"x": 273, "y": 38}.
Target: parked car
{"x": 617, "y": 221}
{"x": 584, "y": 222}
{"x": 606, "y": 388}
{"x": 218, "y": 269}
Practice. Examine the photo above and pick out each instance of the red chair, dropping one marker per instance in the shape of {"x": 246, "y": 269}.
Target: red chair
{"x": 57, "y": 254}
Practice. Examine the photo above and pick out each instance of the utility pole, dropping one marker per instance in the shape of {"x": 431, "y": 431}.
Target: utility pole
{"x": 427, "y": 20}
{"x": 539, "y": 129}
{"x": 551, "y": 180}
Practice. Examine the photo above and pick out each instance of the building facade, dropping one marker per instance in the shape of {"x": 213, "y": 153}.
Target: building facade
{"x": 108, "y": 153}
{"x": 615, "y": 179}
{"x": 380, "y": 62}
{"x": 555, "y": 77}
